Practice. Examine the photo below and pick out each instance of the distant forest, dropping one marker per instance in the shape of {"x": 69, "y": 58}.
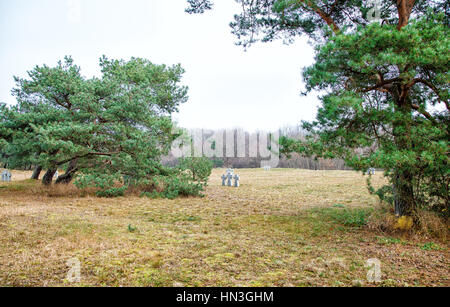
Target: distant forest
{"x": 294, "y": 161}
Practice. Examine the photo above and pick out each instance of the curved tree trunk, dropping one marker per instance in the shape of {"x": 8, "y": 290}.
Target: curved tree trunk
{"x": 48, "y": 177}
{"x": 70, "y": 172}
{"x": 37, "y": 171}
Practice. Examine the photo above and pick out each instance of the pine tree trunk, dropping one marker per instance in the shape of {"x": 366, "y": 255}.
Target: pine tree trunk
{"x": 70, "y": 172}
{"x": 403, "y": 194}
{"x": 48, "y": 177}
{"x": 403, "y": 178}
{"x": 37, "y": 171}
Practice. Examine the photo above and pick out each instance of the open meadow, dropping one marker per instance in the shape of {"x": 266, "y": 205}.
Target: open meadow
{"x": 282, "y": 227}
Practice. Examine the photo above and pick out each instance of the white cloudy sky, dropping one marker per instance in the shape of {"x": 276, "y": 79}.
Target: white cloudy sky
{"x": 257, "y": 89}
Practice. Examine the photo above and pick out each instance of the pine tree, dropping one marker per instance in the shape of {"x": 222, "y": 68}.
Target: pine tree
{"x": 381, "y": 82}
{"x": 100, "y": 129}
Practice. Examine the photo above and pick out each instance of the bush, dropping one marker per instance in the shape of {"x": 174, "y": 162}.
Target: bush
{"x": 351, "y": 218}
{"x": 182, "y": 187}
{"x": 173, "y": 187}
{"x": 106, "y": 185}
{"x": 199, "y": 169}
{"x": 189, "y": 178}
{"x": 357, "y": 217}
{"x": 113, "y": 192}
{"x": 428, "y": 223}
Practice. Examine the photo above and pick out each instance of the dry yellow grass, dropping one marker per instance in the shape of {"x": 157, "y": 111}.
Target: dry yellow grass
{"x": 281, "y": 228}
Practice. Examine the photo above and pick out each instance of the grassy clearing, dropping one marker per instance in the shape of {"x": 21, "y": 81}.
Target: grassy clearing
{"x": 281, "y": 228}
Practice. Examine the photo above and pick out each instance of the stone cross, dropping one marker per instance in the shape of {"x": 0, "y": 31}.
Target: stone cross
{"x": 6, "y": 176}
{"x": 237, "y": 178}
{"x": 224, "y": 179}
{"x": 230, "y": 178}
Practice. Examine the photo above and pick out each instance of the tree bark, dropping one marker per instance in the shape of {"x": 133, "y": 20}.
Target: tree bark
{"x": 70, "y": 172}
{"x": 48, "y": 177}
{"x": 403, "y": 178}
{"x": 404, "y": 8}
{"x": 37, "y": 171}
{"x": 403, "y": 193}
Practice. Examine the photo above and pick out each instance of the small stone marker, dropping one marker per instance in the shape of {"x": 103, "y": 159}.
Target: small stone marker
{"x": 230, "y": 179}
{"x": 6, "y": 176}
{"x": 224, "y": 179}
{"x": 237, "y": 178}
{"x": 56, "y": 175}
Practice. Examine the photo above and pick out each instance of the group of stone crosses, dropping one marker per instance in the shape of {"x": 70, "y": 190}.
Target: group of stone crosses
{"x": 228, "y": 178}
{"x": 6, "y": 176}
{"x": 371, "y": 171}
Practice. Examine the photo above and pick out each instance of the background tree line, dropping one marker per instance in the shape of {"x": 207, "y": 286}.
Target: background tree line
{"x": 253, "y": 157}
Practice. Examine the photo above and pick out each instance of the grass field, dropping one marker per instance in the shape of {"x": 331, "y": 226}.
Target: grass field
{"x": 280, "y": 228}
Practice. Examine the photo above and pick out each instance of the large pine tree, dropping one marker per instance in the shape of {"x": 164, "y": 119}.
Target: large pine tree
{"x": 104, "y": 129}
{"x": 382, "y": 83}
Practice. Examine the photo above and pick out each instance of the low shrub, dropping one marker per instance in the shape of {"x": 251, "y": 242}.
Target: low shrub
{"x": 173, "y": 187}
{"x": 351, "y": 217}
{"x": 355, "y": 217}
{"x": 198, "y": 169}
{"x": 113, "y": 192}
{"x": 427, "y": 223}
{"x": 189, "y": 178}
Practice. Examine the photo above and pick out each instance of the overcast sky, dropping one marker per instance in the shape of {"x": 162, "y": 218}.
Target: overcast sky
{"x": 228, "y": 87}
